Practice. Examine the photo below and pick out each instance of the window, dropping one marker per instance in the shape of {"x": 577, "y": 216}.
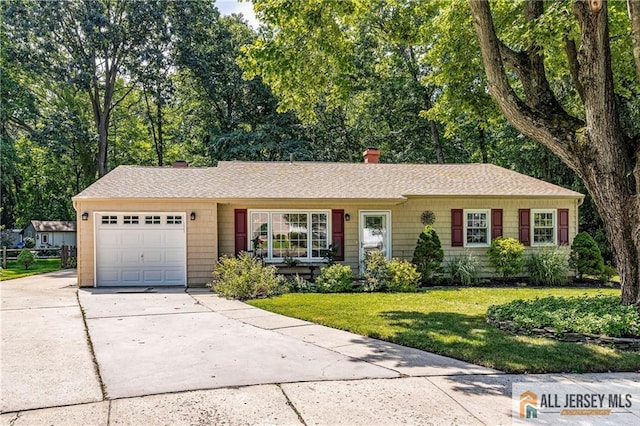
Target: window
{"x": 174, "y": 220}
{"x": 131, "y": 220}
{"x": 476, "y": 228}
{"x": 152, "y": 220}
{"x": 544, "y": 227}
{"x": 109, "y": 220}
{"x": 45, "y": 239}
{"x": 295, "y": 234}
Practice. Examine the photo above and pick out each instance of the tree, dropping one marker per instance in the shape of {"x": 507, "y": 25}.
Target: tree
{"x": 86, "y": 43}
{"x": 25, "y": 258}
{"x": 596, "y": 141}
{"x": 585, "y": 256}
{"x": 428, "y": 253}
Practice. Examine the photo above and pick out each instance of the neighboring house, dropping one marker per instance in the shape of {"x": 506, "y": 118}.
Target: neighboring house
{"x": 168, "y": 226}
{"x": 51, "y": 233}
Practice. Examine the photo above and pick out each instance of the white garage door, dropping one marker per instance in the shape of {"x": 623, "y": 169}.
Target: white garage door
{"x": 140, "y": 249}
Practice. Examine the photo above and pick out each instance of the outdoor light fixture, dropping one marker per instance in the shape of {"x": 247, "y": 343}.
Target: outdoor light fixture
{"x": 193, "y": 215}
{"x": 347, "y": 217}
{"x": 85, "y": 216}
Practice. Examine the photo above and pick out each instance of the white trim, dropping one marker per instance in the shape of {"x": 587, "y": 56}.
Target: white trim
{"x": 465, "y": 220}
{"x": 555, "y": 227}
{"x": 269, "y": 212}
{"x": 97, "y": 217}
{"x": 389, "y": 240}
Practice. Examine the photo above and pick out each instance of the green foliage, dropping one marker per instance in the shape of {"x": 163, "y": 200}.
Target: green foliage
{"x": 402, "y": 276}
{"x": 548, "y": 267}
{"x": 383, "y": 275}
{"x": 25, "y": 258}
{"x": 29, "y": 242}
{"x": 506, "y": 256}
{"x": 297, "y": 284}
{"x": 336, "y": 278}
{"x": 428, "y": 253}
{"x": 595, "y": 315}
{"x": 245, "y": 278}
{"x": 585, "y": 256}
{"x": 463, "y": 269}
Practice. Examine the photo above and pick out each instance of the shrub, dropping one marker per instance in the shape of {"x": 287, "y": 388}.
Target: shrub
{"x": 402, "y": 276}
{"x": 585, "y": 256}
{"x": 25, "y": 258}
{"x": 375, "y": 271}
{"x": 297, "y": 284}
{"x": 464, "y": 269}
{"x": 594, "y": 315}
{"x": 428, "y": 254}
{"x": 383, "y": 275}
{"x": 506, "y": 256}
{"x": 245, "y": 278}
{"x": 335, "y": 279}
{"x": 29, "y": 242}
{"x": 608, "y": 272}
{"x": 547, "y": 267}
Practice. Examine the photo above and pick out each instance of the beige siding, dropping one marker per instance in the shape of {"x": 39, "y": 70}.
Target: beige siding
{"x": 202, "y": 234}
{"x": 405, "y": 219}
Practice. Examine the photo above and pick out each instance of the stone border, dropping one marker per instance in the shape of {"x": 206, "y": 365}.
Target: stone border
{"x": 621, "y": 343}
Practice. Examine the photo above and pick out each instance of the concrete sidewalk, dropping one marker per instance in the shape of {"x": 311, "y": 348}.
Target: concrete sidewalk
{"x": 171, "y": 357}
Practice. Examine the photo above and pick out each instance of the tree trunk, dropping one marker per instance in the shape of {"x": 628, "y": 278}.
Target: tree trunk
{"x": 598, "y": 150}
{"x": 103, "y": 143}
{"x": 435, "y": 134}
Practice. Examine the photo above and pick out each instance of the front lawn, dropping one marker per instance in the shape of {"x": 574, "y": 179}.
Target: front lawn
{"x": 40, "y": 266}
{"x": 451, "y": 322}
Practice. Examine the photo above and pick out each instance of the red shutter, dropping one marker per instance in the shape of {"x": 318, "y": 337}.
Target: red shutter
{"x": 337, "y": 232}
{"x": 457, "y": 228}
{"x": 241, "y": 230}
{"x": 524, "y": 223}
{"x": 563, "y": 226}
{"x": 496, "y": 223}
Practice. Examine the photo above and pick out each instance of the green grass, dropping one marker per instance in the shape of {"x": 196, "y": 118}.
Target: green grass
{"x": 40, "y": 266}
{"x": 452, "y": 322}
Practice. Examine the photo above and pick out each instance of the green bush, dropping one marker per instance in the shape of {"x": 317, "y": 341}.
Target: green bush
{"x": 383, "y": 275}
{"x": 548, "y": 267}
{"x": 25, "y": 258}
{"x": 29, "y": 242}
{"x": 297, "y": 284}
{"x": 506, "y": 256}
{"x": 585, "y": 257}
{"x": 402, "y": 276}
{"x": 428, "y": 253}
{"x": 245, "y": 278}
{"x": 375, "y": 271}
{"x": 594, "y": 315}
{"x": 335, "y": 279}
{"x": 464, "y": 269}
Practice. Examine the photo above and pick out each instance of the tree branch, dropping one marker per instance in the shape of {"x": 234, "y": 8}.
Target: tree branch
{"x": 532, "y": 122}
{"x": 574, "y": 66}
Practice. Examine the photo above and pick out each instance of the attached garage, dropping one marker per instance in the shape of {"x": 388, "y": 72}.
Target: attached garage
{"x": 140, "y": 249}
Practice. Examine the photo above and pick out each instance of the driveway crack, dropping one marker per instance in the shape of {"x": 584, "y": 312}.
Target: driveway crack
{"x": 96, "y": 366}
{"x": 13, "y": 420}
{"x": 290, "y": 404}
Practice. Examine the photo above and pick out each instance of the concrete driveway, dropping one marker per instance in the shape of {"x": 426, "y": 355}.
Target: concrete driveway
{"x": 171, "y": 357}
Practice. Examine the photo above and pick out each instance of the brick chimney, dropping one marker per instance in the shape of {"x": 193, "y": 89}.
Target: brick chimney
{"x": 180, "y": 164}
{"x": 371, "y": 155}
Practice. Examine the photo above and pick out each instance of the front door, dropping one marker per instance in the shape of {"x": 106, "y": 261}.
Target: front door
{"x": 375, "y": 233}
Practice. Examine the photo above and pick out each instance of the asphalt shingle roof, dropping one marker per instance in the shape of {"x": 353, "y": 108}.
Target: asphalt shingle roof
{"x": 54, "y": 226}
{"x": 315, "y": 180}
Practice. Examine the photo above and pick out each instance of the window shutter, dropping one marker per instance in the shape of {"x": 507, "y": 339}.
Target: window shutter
{"x": 524, "y": 224}
{"x": 241, "y": 230}
{"x": 563, "y": 226}
{"x": 496, "y": 223}
{"x": 337, "y": 232}
{"x": 457, "y": 228}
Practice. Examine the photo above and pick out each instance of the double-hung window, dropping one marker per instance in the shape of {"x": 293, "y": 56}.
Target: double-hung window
{"x": 477, "y": 228}
{"x": 544, "y": 227}
{"x": 298, "y": 234}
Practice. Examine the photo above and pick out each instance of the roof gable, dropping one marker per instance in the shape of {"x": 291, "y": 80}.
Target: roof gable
{"x": 315, "y": 180}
